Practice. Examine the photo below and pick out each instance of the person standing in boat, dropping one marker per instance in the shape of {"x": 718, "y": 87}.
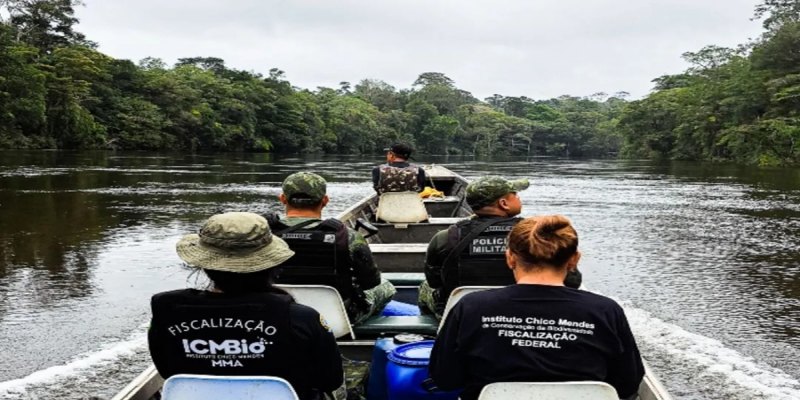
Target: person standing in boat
{"x": 472, "y": 252}
{"x": 537, "y": 330}
{"x": 327, "y": 251}
{"x": 242, "y": 325}
{"x": 397, "y": 175}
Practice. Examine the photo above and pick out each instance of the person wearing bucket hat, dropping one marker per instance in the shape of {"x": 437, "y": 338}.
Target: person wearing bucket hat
{"x": 242, "y": 324}
{"x": 472, "y": 252}
{"x": 397, "y": 175}
{"x": 327, "y": 252}
{"x": 536, "y": 330}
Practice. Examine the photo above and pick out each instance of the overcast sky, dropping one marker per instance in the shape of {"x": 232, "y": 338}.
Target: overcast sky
{"x": 534, "y": 48}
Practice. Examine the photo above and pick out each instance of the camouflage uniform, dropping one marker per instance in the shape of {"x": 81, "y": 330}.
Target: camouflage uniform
{"x": 480, "y": 193}
{"x": 310, "y": 188}
{"x": 398, "y": 177}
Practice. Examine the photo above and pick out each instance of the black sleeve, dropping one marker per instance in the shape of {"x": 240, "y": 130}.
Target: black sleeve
{"x": 364, "y": 268}
{"x": 376, "y": 174}
{"x": 625, "y": 372}
{"x": 447, "y": 364}
{"x": 326, "y": 369}
{"x": 434, "y": 259}
{"x": 155, "y": 344}
{"x": 421, "y": 179}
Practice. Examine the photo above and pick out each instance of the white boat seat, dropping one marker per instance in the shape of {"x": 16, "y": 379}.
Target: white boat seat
{"x": 401, "y": 208}
{"x": 457, "y": 294}
{"x": 209, "y": 387}
{"x": 582, "y": 390}
{"x": 328, "y": 303}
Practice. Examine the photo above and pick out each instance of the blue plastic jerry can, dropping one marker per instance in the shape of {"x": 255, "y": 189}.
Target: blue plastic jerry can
{"x": 376, "y": 386}
{"x": 407, "y": 373}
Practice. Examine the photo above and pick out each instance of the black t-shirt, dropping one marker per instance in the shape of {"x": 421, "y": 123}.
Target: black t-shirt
{"x": 201, "y": 332}
{"x": 535, "y": 333}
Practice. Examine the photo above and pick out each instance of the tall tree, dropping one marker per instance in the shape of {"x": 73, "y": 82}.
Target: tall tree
{"x": 45, "y": 24}
{"x": 777, "y": 13}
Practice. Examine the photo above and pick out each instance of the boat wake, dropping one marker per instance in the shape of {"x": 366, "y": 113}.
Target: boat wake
{"x": 714, "y": 370}
{"x": 83, "y": 367}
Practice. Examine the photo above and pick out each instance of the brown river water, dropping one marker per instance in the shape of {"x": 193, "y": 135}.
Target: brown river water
{"x": 703, "y": 257}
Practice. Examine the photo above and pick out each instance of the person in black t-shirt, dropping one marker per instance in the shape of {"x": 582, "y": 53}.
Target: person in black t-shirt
{"x": 537, "y": 330}
{"x": 242, "y": 325}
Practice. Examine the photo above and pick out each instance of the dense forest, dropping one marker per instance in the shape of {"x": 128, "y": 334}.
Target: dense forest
{"x": 58, "y": 91}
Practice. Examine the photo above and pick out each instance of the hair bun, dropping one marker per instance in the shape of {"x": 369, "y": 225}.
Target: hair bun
{"x": 548, "y": 239}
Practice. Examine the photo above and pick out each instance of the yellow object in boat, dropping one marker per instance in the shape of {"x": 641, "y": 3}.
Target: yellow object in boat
{"x": 430, "y": 192}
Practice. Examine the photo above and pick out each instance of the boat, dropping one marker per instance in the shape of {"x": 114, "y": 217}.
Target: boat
{"x": 400, "y": 247}
{"x": 399, "y": 251}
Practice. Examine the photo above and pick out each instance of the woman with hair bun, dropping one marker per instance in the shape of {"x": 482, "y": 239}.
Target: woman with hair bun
{"x": 537, "y": 330}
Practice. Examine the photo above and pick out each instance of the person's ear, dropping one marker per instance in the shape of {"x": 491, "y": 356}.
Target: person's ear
{"x": 511, "y": 260}
{"x": 283, "y": 199}
{"x": 572, "y": 263}
{"x": 325, "y": 200}
{"x": 502, "y": 204}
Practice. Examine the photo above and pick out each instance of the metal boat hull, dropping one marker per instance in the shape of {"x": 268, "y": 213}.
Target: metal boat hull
{"x": 399, "y": 251}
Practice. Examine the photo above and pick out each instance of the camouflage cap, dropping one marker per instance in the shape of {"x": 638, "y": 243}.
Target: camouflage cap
{"x": 486, "y": 190}
{"x": 304, "y": 188}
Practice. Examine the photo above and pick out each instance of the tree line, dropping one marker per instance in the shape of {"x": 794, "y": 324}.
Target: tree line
{"x": 739, "y": 104}
{"x": 58, "y": 91}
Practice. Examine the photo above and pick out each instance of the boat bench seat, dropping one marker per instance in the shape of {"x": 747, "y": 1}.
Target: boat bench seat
{"x": 442, "y": 207}
{"x": 444, "y": 199}
{"x": 399, "y": 257}
{"x": 445, "y": 221}
{"x": 404, "y": 278}
{"x": 393, "y": 248}
{"x": 379, "y": 325}
{"x": 421, "y": 232}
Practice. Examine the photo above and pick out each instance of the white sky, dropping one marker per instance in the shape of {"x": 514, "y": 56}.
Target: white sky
{"x": 534, "y": 48}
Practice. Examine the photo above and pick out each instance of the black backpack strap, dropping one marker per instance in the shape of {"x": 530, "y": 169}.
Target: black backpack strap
{"x": 298, "y": 226}
{"x": 279, "y": 227}
{"x": 333, "y": 223}
{"x": 274, "y": 221}
{"x": 462, "y": 244}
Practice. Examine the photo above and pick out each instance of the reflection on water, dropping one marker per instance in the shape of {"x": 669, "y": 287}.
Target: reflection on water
{"x": 703, "y": 257}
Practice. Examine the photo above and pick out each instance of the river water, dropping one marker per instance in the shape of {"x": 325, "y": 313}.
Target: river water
{"x": 703, "y": 257}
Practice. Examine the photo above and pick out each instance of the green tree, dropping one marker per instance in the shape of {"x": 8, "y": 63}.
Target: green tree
{"x": 45, "y": 24}
{"x": 22, "y": 94}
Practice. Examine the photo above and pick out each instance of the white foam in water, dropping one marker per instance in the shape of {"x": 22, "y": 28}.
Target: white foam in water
{"x": 84, "y": 362}
{"x": 712, "y": 365}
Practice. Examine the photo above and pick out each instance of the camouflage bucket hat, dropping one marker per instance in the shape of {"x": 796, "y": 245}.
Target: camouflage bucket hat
{"x": 304, "y": 188}
{"x": 486, "y": 190}
{"x": 234, "y": 242}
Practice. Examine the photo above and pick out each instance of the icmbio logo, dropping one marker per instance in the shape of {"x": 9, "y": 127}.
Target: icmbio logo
{"x": 227, "y": 347}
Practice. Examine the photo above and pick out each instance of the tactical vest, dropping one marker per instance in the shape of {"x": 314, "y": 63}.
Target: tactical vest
{"x": 396, "y": 179}
{"x": 218, "y": 334}
{"x": 482, "y": 261}
{"x": 321, "y": 257}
